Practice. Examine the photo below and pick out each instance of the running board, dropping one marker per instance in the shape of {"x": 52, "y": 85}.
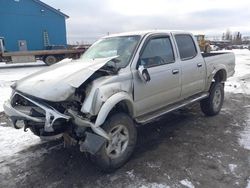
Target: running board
{"x": 152, "y": 115}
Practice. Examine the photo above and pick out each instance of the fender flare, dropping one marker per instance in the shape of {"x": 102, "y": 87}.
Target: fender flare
{"x": 214, "y": 72}
{"x": 221, "y": 68}
{"x": 109, "y": 105}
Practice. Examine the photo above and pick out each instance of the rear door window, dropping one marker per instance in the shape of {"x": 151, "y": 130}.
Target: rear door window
{"x": 158, "y": 51}
{"x": 186, "y": 46}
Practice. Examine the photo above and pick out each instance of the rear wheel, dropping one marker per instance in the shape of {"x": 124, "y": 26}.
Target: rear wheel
{"x": 50, "y": 60}
{"x": 115, "y": 153}
{"x": 212, "y": 105}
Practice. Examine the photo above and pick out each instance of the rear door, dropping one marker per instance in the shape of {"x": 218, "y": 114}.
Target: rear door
{"x": 157, "y": 55}
{"x": 192, "y": 65}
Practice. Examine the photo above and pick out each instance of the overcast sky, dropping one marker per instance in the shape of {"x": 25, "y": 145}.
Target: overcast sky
{"x": 91, "y": 19}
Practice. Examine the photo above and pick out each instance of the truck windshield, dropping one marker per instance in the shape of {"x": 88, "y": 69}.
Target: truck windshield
{"x": 121, "y": 46}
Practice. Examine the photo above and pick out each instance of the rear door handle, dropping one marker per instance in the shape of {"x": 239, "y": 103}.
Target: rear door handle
{"x": 175, "y": 71}
{"x": 199, "y": 65}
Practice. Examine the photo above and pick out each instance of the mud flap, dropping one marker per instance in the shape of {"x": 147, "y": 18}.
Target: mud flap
{"x": 92, "y": 143}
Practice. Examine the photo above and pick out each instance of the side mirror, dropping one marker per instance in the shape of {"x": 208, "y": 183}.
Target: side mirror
{"x": 143, "y": 73}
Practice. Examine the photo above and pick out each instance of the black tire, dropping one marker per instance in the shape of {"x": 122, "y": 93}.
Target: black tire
{"x": 106, "y": 162}
{"x": 50, "y": 60}
{"x": 212, "y": 105}
{"x": 35, "y": 131}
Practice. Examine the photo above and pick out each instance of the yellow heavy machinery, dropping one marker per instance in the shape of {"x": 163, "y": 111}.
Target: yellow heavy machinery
{"x": 203, "y": 44}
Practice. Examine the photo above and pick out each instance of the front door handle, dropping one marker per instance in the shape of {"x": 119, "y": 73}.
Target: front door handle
{"x": 199, "y": 65}
{"x": 175, "y": 71}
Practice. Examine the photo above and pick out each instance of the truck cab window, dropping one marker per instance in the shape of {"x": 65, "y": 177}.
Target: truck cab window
{"x": 158, "y": 51}
{"x": 186, "y": 46}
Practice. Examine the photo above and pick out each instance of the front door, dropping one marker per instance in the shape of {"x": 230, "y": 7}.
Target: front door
{"x": 164, "y": 87}
{"x": 22, "y": 45}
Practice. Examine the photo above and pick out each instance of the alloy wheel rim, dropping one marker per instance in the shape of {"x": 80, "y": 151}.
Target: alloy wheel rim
{"x": 119, "y": 141}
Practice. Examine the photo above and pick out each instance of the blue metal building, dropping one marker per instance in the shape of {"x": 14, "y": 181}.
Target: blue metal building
{"x": 31, "y": 25}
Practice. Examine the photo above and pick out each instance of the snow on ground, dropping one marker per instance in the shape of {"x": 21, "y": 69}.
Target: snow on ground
{"x": 9, "y": 65}
{"x": 154, "y": 185}
{"x": 134, "y": 180}
{"x": 187, "y": 183}
{"x": 232, "y": 167}
{"x": 244, "y": 139}
{"x": 240, "y": 82}
{"x": 10, "y": 146}
{"x": 248, "y": 184}
{"x": 9, "y": 73}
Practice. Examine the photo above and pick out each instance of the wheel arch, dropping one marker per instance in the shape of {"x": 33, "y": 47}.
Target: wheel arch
{"x": 219, "y": 75}
{"x": 120, "y": 100}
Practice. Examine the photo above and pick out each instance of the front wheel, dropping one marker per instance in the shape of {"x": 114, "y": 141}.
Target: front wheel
{"x": 212, "y": 105}
{"x": 115, "y": 153}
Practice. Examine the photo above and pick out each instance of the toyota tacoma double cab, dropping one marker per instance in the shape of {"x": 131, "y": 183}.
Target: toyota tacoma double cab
{"x": 121, "y": 81}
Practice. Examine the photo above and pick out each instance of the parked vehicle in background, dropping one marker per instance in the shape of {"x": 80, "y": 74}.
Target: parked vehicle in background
{"x": 203, "y": 44}
{"x": 50, "y": 56}
{"x": 214, "y": 48}
{"x": 121, "y": 81}
{"x": 245, "y": 46}
{"x": 242, "y": 46}
{"x": 229, "y": 47}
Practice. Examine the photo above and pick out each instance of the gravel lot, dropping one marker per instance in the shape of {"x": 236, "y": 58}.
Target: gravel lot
{"x": 183, "y": 149}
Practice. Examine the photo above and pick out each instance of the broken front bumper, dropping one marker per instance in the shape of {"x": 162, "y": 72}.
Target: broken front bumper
{"x": 48, "y": 114}
{"x": 47, "y": 117}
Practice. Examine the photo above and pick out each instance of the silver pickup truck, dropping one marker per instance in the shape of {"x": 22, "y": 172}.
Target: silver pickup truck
{"x": 122, "y": 81}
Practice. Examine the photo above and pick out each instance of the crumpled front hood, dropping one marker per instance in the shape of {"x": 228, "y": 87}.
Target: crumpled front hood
{"x": 59, "y": 81}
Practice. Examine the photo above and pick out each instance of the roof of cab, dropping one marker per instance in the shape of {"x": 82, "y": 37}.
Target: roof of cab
{"x": 145, "y": 32}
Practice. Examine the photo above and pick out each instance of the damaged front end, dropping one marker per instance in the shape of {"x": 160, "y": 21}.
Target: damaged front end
{"x": 51, "y": 107}
{"x": 73, "y": 98}
{"x": 45, "y": 121}
{"x": 24, "y": 110}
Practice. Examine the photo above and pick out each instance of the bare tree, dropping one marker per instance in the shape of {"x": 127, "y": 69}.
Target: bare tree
{"x": 223, "y": 37}
{"x": 228, "y": 35}
{"x": 238, "y": 38}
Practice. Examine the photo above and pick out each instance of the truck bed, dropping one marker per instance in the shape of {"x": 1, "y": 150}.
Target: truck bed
{"x": 218, "y": 60}
{"x": 213, "y": 54}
